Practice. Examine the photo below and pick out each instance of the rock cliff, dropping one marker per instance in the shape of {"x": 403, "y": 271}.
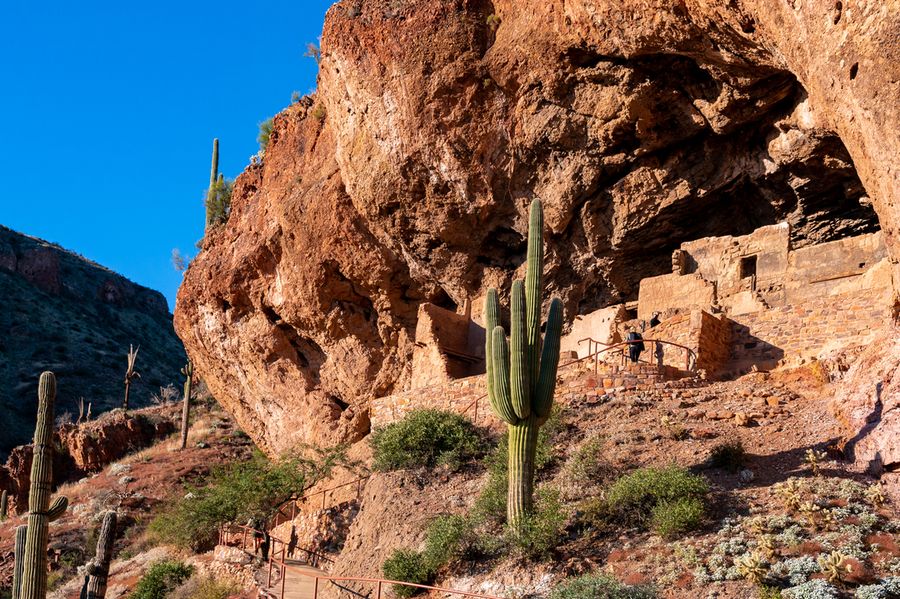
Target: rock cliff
{"x": 405, "y": 178}
{"x": 62, "y": 312}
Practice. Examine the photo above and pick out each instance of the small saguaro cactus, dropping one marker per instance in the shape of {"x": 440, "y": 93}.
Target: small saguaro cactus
{"x": 98, "y": 568}
{"x": 130, "y": 372}
{"x": 40, "y": 511}
{"x": 4, "y": 505}
{"x": 521, "y": 375}
{"x": 188, "y": 372}
{"x": 19, "y": 552}
{"x": 210, "y": 193}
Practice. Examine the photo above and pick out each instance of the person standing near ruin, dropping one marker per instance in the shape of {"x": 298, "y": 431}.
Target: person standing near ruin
{"x": 635, "y": 344}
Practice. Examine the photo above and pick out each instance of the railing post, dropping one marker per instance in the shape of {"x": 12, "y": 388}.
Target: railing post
{"x": 316, "y": 589}
{"x": 269, "y": 577}
{"x": 293, "y": 509}
{"x": 378, "y": 595}
{"x": 283, "y": 573}
{"x": 324, "y": 493}
{"x": 687, "y": 359}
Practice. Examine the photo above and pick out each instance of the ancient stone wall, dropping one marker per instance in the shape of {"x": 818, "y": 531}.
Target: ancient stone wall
{"x": 448, "y": 346}
{"x": 600, "y": 325}
{"x": 707, "y": 335}
{"x": 802, "y": 331}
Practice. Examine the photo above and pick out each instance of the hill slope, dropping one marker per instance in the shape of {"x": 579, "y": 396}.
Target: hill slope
{"x": 62, "y": 312}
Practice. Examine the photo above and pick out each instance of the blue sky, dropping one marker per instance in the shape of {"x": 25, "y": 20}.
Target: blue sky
{"x": 108, "y": 111}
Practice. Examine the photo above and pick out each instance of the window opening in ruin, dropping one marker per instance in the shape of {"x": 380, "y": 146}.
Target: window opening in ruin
{"x": 748, "y": 267}
{"x": 631, "y": 314}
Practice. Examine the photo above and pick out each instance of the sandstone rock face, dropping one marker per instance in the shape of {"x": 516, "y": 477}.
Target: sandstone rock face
{"x": 640, "y": 123}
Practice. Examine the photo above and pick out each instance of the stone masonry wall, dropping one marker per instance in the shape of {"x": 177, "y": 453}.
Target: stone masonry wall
{"x": 795, "y": 333}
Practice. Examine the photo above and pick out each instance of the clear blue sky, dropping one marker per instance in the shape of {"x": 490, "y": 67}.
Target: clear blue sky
{"x": 108, "y": 111}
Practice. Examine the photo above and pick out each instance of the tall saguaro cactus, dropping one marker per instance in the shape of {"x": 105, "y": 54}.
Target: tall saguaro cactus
{"x": 98, "y": 568}
{"x": 40, "y": 511}
{"x": 19, "y": 552}
{"x": 4, "y": 505}
{"x": 521, "y": 374}
{"x": 210, "y": 193}
{"x": 188, "y": 372}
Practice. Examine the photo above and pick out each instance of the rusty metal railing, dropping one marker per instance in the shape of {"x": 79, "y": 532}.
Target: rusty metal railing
{"x": 690, "y": 363}
{"x": 281, "y": 515}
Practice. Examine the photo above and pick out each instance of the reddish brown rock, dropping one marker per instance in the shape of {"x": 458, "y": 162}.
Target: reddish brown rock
{"x": 405, "y": 179}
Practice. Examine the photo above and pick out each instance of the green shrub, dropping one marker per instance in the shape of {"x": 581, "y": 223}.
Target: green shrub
{"x": 161, "y": 579}
{"x": 728, "y": 456}
{"x": 445, "y": 540}
{"x": 236, "y": 493}
{"x": 672, "y": 518}
{"x": 670, "y": 500}
{"x": 265, "y": 132}
{"x": 218, "y": 200}
{"x": 407, "y": 565}
{"x": 541, "y": 531}
{"x": 587, "y": 465}
{"x": 205, "y": 587}
{"x": 426, "y": 438}
{"x": 599, "y": 586}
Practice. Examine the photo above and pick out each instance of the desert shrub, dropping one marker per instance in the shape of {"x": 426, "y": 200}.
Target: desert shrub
{"x": 445, "y": 540}
{"x": 205, "y": 587}
{"x": 596, "y": 586}
{"x": 540, "y": 532}
{"x": 672, "y": 518}
{"x": 161, "y": 579}
{"x": 588, "y": 466}
{"x": 236, "y": 493}
{"x": 728, "y": 456}
{"x": 318, "y": 112}
{"x": 265, "y": 132}
{"x": 218, "y": 201}
{"x": 407, "y": 565}
{"x": 670, "y": 500}
{"x": 426, "y": 438}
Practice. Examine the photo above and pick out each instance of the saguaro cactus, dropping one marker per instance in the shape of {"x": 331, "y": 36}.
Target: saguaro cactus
{"x": 4, "y": 505}
{"x": 521, "y": 375}
{"x": 40, "y": 511}
{"x": 188, "y": 372}
{"x": 130, "y": 373}
{"x": 210, "y": 193}
{"x": 19, "y": 552}
{"x": 98, "y": 568}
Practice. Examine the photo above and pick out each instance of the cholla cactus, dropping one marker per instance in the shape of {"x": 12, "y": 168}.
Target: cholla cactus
{"x": 521, "y": 374}
{"x": 41, "y": 512}
{"x": 811, "y": 512}
{"x": 130, "y": 372}
{"x": 814, "y": 459}
{"x": 875, "y": 495}
{"x": 833, "y": 566}
{"x": 766, "y": 545}
{"x": 752, "y": 567}
{"x": 790, "y": 492}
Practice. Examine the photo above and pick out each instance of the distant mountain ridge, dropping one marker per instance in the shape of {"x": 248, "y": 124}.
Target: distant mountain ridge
{"x": 62, "y": 312}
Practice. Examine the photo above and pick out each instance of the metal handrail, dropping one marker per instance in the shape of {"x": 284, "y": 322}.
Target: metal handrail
{"x": 226, "y": 528}
{"x": 596, "y": 356}
{"x": 324, "y": 492}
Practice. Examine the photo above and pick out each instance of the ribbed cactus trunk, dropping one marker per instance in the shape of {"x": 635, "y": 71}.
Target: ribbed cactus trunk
{"x": 40, "y": 511}
{"x": 19, "y": 552}
{"x": 98, "y": 568}
{"x": 4, "y": 505}
{"x": 521, "y": 374}
{"x": 188, "y": 372}
{"x": 213, "y": 175}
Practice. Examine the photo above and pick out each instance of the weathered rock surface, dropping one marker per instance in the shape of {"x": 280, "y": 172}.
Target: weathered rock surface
{"x": 87, "y": 448}
{"x": 640, "y": 123}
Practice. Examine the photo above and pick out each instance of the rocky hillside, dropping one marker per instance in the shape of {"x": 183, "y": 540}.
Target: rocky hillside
{"x": 640, "y": 123}
{"x": 64, "y": 313}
